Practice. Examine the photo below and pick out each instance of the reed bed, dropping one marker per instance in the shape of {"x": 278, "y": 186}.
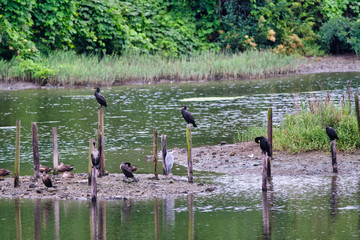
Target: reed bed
{"x": 305, "y": 130}
{"x": 68, "y": 68}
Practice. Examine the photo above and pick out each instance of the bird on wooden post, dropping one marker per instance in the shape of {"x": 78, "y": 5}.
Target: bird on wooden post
{"x": 331, "y": 133}
{"x": 187, "y": 115}
{"x": 128, "y": 170}
{"x": 264, "y": 145}
{"x": 96, "y": 156}
{"x": 100, "y": 98}
{"x": 169, "y": 159}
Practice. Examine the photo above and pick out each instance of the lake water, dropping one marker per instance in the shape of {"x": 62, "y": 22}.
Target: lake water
{"x": 305, "y": 208}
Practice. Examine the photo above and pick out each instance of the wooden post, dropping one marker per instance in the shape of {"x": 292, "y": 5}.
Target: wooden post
{"x": 357, "y": 111}
{"x": 349, "y": 94}
{"x": 35, "y": 152}
{"x": 189, "y": 155}
{"x": 264, "y": 173}
{"x": 333, "y": 156}
{"x": 155, "y": 137}
{"x": 164, "y": 152}
{"x": 55, "y": 152}
{"x": 91, "y": 148}
{"x": 93, "y": 185}
{"x": 17, "y": 154}
{"x": 270, "y": 127}
{"x": 101, "y": 131}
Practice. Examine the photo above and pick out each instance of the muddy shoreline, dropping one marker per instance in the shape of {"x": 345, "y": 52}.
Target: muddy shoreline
{"x": 110, "y": 187}
{"x": 240, "y": 159}
{"x": 345, "y": 63}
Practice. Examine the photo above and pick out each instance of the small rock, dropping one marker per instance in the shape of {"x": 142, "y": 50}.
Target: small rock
{"x": 38, "y": 191}
{"x": 210, "y": 189}
{"x": 223, "y": 143}
{"x": 232, "y": 154}
{"x": 200, "y": 184}
{"x": 32, "y": 185}
{"x": 213, "y": 153}
{"x": 256, "y": 164}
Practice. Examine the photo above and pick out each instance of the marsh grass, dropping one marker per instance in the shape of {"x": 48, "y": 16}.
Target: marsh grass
{"x": 68, "y": 68}
{"x": 305, "y": 130}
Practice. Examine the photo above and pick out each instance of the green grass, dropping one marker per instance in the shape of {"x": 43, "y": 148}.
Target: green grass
{"x": 68, "y": 68}
{"x": 305, "y": 131}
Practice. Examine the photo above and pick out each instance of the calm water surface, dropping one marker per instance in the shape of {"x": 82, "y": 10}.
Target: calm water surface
{"x": 305, "y": 208}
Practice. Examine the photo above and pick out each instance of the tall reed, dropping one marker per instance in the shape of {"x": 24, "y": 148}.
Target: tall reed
{"x": 68, "y": 68}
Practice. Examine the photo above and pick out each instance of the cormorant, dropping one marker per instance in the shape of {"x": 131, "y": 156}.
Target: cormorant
{"x": 187, "y": 115}
{"x": 95, "y": 155}
{"x": 331, "y": 133}
{"x": 100, "y": 98}
{"x": 128, "y": 170}
{"x": 264, "y": 145}
{"x": 4, "y": 172}
{"x": 63, "y": 168}
{"x": 47, "y": 180}
{"x": 169, "y": 159}
{"x": 45, "y": 168}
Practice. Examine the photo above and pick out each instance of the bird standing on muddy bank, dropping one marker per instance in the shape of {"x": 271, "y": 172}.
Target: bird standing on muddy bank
{"x": 187, "y": 115}
{"x": 4, "y": 172}
{"x": 128, "y": 170}
{"x": 101, "y": 99}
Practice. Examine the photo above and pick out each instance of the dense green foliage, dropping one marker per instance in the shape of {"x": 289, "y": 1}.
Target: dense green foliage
{"x": 31, "y": 29}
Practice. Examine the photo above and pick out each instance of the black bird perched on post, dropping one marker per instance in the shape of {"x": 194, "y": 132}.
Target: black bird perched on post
{"x": 187, "y": 115}
{"x": 100, "y": 98}
{"x": 128, "y": 170}
{"x": 331, "y": 133}
{"x": 264, "y": 145}
{"x": 96, "y": 154}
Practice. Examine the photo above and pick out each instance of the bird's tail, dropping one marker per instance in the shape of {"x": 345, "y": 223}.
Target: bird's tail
{"x": 194, "y": 125}
{"x": 107, "y": 109}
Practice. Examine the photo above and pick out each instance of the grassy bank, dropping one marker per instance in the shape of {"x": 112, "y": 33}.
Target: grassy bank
{"x": 305, "y": 130}
{"x": 67, "y": 68}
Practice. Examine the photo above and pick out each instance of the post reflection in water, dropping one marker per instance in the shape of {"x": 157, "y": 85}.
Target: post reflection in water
{"x": 334, "y": 195}
{"x": 267, "y": 215}
{"x": 266, "y": 226}
{"x": 48, "y": 205}
{"x": 157, "y": 219}
{"x": 191, "y": 216}
{"x": 37, "y": 215}
{"x": 126, "y": 211}
{"x": 93, "y": 221}
{"x": 102, "y": 220}
{"x": 56, "y": 219}
{"x": 18, "y": 219}
{"x": 169, "y": 211}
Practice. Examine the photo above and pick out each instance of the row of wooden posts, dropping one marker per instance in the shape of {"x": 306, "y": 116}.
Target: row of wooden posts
{"x": 164, "y": 152}
{"x": 55, "y": 150}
